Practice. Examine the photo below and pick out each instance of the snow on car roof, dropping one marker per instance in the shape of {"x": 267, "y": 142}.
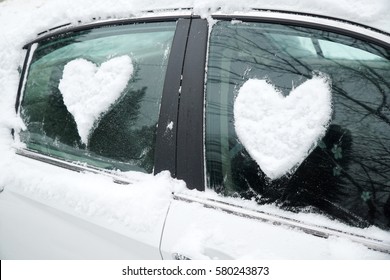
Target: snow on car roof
{"x": 55, "y": 12}
{"x": 373, "y": 13}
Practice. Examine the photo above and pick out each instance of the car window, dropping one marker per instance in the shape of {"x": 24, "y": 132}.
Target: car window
{"x": 93, "y": 96}
{"x": 347, "y": 174}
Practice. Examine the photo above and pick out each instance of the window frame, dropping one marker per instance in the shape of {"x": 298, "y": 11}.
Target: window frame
{"x": 333, "y": 25}
{"x": 322, "y": 23}
{"x": 181, "y": 151}
{"x": 165, "y": 151}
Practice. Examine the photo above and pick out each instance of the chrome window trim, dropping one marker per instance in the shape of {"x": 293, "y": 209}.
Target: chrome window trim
{"x": 258, "y": 14}
{"x": 73, "y": 166}
{"x": 352, "y": 29}
{"x": 143, "y": 18}
{"x": 277, "y": 220}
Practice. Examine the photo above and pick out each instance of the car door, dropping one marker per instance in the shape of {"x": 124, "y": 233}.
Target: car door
{"x": 334, "y": 203}
{"x": 80, "y": 184}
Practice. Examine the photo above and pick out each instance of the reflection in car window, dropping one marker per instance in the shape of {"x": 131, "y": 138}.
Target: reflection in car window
{"x": 123, "y": 136}
{"x": 347, "y": 176}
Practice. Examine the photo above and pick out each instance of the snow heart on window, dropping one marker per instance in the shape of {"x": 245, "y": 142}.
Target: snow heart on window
{"x": 280, "y": 132}
{"x": 89, "y": 91}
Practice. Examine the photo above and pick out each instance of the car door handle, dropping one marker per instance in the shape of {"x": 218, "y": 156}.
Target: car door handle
{"x": 1, "y": 189}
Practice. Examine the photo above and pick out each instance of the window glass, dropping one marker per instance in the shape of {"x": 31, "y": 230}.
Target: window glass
{"x": 347, "y": 175}
{"x": 340, "y": 51}
{"x": 122, "y": 134}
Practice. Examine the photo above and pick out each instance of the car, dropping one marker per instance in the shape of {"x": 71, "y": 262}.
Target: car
{"x": 246, "y": 135}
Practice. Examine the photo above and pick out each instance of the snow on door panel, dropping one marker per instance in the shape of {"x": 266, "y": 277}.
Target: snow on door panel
{"x": 208, "y": 226}
{"x": 91, "y": 102}
{"x": 49, "y": 212}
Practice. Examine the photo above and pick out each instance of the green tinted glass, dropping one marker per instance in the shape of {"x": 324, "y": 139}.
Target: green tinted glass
{"x": 123, "y": 136}
{"x": 347, "y": 176}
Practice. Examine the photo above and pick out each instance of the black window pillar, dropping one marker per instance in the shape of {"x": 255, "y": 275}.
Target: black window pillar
{"x": 190, "y": 148}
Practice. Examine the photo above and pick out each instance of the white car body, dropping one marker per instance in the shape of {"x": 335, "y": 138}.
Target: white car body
{"x": 88, "y": 213}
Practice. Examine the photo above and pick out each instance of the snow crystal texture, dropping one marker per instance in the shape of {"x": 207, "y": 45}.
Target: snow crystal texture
{"x": 89, "y": 90}
{"x": 279, "y": 132}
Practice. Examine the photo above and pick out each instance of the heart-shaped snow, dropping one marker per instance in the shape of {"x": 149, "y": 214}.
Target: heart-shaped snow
{"x": 280, "y": 132}
{"x": 88, "y": 90}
